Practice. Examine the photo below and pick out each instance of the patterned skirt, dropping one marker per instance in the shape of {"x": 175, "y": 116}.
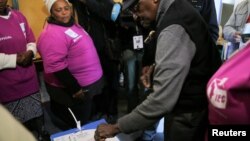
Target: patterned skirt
{"x": 26, "y": 108}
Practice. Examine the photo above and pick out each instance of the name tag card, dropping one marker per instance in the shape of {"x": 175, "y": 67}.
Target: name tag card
{"x": 138, "y": 42}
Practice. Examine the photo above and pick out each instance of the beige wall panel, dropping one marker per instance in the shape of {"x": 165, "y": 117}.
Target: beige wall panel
{"x": 35, "y": 12}
{"x": 9, "y": 2}
{"x": 118, "y": 1}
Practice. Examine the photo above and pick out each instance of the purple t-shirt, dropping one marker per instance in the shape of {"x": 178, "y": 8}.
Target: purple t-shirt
{"x": 228, "y": 91}
{"x": 69, "y": 47}
{"x": 19, "y": 82}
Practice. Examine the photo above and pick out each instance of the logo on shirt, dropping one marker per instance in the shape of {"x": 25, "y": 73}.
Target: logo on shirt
{"x": 5, "y": 38}
{"x": 73, "y": 34}
{"x": 217, "y": 94}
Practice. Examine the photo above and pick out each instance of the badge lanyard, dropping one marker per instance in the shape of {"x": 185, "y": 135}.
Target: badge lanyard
{"x": 137, "y": 40}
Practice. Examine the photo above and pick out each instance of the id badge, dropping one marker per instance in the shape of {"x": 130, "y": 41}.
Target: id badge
{"x": 138, "y": 42}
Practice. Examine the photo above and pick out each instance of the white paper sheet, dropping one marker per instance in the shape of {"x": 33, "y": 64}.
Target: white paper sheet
{"x": 83, "y": 135}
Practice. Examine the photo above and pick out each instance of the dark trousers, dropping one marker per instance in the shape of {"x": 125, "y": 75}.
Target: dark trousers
{"x": 35, "y": 124}
{"x": 132, "y": 69}
{"x": 82, "y": 109}
{"x": 108, "y": 100}
{"x": 185, "y": 126}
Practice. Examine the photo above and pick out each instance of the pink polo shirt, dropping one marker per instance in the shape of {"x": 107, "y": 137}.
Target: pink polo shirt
{"x": 69, "y": 47}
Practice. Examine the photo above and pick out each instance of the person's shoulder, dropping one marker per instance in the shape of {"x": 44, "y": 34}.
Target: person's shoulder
{"x": 18, "y": 13}
{"x": 47, "y": 34}
{"x": 242, "y": 4}
{"x": 51, "y": 32}
{"x": 174, "y": 29}
{"x": 46, "y": 39}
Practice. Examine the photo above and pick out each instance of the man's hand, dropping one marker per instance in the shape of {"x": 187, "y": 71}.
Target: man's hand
{"x": 104, "y": 131}
{"x": 237, "y": 36}
{"x": 147, "y": 72}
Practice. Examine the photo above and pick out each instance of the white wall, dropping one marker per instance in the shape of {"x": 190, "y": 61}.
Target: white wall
{"x": 228, "y": 1}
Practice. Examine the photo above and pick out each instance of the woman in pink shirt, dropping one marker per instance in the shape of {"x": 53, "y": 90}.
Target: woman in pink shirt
{"x": 19, "y": 87}
{"x": 72, "y": 70}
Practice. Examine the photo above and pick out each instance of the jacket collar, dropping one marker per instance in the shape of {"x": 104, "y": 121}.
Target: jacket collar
{"x": 163, "y": 7}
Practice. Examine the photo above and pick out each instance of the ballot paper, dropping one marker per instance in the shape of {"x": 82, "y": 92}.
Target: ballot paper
{"x": 83, "y": 135}
{"x": 86, "y": 133}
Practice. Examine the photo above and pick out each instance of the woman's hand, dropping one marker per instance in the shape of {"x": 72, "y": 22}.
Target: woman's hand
{"x": 79, "y": 95}
{"x": 25, "y": 59}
